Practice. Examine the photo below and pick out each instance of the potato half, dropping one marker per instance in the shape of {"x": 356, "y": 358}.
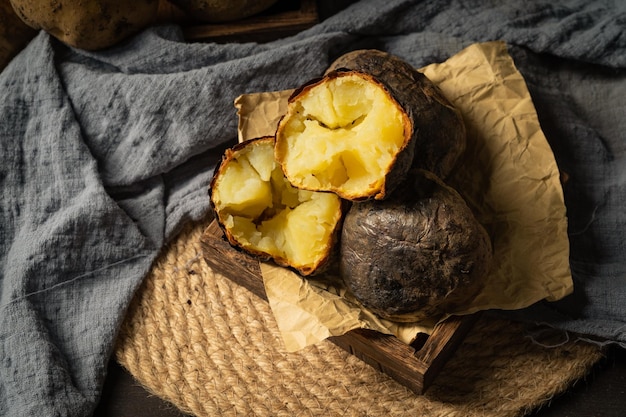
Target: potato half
{"x": 439, "y": 131}
{"x": 417, "y": 255}
{"x": 261, "y": 213}
{"x": 345, "y": 133}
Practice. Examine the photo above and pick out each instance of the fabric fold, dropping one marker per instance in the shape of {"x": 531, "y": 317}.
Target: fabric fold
{"x": 105, "y": 155}
{"x": 70, "y": 254}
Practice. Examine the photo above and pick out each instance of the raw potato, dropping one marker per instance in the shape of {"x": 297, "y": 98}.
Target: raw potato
{"x": 88, "y": 24}
{"x": 417, "y": 255}
{"x": 261, "y": 213}
{"x": 438, "y": 128}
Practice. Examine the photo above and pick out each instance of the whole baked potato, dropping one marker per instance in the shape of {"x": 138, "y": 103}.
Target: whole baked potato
{"x": 418, "y": 254}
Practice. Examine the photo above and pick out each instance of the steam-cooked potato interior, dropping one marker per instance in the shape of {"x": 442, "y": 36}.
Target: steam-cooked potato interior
{"x": 341, "y": 135}
{"x": 263, "y": 213}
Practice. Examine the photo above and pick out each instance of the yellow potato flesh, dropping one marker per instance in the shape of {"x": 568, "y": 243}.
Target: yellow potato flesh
{"x": 249, "y": 195}
{"x": 342, "y": 135}
{"x": 264, "y": 213}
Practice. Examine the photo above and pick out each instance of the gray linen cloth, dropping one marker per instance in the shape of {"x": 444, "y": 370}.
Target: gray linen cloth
{"x": 105, "y": 155}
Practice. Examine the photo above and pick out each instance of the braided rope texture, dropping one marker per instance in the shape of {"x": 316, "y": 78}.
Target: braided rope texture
{"x": 210, "y": 347}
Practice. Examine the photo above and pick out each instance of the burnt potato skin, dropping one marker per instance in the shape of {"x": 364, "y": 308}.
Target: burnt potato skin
{"x": 418, "y": 254}
{"x": 440, "y": 134}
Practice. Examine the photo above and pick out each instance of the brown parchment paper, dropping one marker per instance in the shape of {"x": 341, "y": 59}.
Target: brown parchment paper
{"x": 508, "y": 176}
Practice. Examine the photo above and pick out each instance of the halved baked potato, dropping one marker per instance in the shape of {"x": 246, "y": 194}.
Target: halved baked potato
{"x": 346, "y": 134}
{"x": 261, "y": 213}
{"x": 438, "y": 127}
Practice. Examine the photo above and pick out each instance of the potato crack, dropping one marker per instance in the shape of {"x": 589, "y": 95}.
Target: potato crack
{"x": 347, "y": 126}
{"x": 267, "y": 214}
{"x": 279, "y": 191}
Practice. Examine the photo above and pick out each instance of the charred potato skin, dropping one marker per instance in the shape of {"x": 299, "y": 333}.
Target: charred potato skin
{"x": 416, "y": 255}
{"x": 404, "y": 158}
{"x": 227, "y": 156}
{"x": 331, "y": 256}
{"x": 440, "y": 132}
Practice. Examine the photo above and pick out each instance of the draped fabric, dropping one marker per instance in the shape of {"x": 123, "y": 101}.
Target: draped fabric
{"x": 105, "y": 155}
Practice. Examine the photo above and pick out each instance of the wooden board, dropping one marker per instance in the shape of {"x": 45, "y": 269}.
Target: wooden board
{"x": 415, "y": 366}
{"x": 285, "y": 18}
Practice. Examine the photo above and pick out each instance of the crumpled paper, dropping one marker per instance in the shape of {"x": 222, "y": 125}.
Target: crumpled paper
{"x": 508, "y": 176}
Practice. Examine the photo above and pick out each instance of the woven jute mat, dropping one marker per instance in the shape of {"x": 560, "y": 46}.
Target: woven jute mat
{"x": 212, "y": 348}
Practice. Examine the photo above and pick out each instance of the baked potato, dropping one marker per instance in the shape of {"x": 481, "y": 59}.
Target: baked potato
{"x": 438, "y": 128}
{"x": 417, "y": 255}
{"x": 358, "y": 130}
{"x": 345, "y": 133}
{"x": 263, "y": 215}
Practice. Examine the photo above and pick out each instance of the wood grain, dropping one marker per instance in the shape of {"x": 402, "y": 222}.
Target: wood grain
{"x": 283, "y": 19}
{"x": 415, "y": 366}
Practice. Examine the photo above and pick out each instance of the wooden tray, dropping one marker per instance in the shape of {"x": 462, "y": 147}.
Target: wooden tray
{"x": 285, "y": 18}
{"x": 415, "y": 366}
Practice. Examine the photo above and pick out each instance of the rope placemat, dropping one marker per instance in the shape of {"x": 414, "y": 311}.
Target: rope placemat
{"x": 210, "y": 347}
